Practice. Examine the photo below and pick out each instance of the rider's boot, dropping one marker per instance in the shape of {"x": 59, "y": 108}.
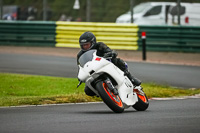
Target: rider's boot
{"x": 135, "y": 81}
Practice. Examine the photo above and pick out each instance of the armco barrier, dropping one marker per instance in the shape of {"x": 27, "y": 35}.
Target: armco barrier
{"x": 26, "y": 33}
{"x": 116, "y": 36}
{"x": 171, "y": 38}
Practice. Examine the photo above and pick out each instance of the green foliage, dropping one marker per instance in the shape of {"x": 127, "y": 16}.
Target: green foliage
{"x": 101, "y": 10}
{"x": 26, "y": 85}
{"x": 18, "y": 89}
{"x": 155, "y": 90}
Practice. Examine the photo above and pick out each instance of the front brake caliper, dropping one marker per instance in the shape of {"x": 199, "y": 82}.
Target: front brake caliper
{"x": 110, "y": 86}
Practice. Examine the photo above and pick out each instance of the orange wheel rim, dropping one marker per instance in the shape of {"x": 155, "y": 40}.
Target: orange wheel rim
{"x": 143, "y": 98}
{"x": 113, "y": 97}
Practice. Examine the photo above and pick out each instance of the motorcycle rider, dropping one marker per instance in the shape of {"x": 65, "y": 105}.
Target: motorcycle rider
{"x": 87, "y": 42}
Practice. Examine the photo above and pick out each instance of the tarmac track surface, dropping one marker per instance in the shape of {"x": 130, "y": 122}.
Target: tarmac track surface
{"x": 162, "y": 116}
{"x": 170, "y": 116}
{"x": 174, "y": 75}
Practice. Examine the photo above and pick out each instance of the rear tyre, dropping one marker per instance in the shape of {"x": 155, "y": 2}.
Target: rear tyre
{"x": 142, "y": 103}
{"x": 114, "y": 102}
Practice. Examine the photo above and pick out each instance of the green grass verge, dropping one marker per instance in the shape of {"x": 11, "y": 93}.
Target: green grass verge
{"x": 18, "y": 89}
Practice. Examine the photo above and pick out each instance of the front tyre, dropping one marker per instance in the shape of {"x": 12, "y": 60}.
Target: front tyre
{"x": 142, "y": 103}
{"x": 112, "y": 101}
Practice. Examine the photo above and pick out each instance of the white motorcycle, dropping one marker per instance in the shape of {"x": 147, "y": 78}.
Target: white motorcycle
{"x": 109, "y": 82}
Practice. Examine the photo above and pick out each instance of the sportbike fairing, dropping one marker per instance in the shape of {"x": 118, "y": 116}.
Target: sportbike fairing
{"x": 90, "y": 62}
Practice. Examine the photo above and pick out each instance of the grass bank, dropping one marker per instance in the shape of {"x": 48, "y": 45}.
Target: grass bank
{"x": 18, "y": 89}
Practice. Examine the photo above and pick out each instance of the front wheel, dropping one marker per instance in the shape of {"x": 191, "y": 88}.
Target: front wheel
{"x": 142, "y": 103}
{"x": 112, "y": 101}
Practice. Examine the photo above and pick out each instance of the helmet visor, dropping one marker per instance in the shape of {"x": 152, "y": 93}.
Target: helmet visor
{"x": 85, "y": 46}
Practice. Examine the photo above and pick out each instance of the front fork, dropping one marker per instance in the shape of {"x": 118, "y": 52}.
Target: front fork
{"x": 108, "y": 82}
{"x": 110, "y": 86}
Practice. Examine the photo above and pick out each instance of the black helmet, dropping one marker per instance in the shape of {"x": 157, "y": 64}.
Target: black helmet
{"x": 87, "y": 37}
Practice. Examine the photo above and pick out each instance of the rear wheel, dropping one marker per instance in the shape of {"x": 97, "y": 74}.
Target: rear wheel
{"x": 142, "y": 103}
{"x": 114, "y": 102}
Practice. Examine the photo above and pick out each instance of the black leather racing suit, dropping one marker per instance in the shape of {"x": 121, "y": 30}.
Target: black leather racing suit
{"x": 103, "y": 49}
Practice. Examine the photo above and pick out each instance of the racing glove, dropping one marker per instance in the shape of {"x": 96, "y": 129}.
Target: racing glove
{"x": 111, "y": 54}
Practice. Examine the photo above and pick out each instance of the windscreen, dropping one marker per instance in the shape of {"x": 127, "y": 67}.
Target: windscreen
{"x": 87, "y": 56}
{"x": 141, "y": 7}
